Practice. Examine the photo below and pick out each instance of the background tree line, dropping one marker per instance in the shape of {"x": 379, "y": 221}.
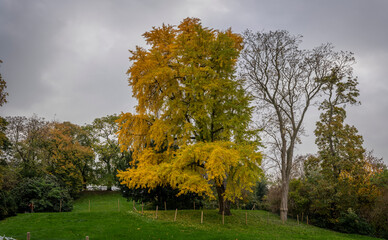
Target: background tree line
{"x": 50, "y": 163}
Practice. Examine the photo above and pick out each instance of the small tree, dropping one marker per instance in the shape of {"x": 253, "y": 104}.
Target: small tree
{"x": 70, "y": 158}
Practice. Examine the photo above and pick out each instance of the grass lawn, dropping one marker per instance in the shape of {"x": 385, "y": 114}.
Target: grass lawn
{"x": 105, "y": 221}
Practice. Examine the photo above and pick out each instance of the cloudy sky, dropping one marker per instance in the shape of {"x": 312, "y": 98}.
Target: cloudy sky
{"x": 66, "y": 60}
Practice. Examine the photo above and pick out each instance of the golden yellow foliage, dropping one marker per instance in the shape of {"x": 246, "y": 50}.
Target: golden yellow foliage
{"x": 191, "y": 130}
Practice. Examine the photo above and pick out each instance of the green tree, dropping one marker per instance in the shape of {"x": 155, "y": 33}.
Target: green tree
{"x": 8, "y": 178}
{"x": 191, "y": 130}
{"x": 105, "y": 145}
{"x": 340, "y": 147}
{"x": 4, "y": 142}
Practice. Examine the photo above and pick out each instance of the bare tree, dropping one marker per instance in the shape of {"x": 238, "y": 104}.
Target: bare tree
{"x": 285, "y": 81}
{"x": 27, "y": 143}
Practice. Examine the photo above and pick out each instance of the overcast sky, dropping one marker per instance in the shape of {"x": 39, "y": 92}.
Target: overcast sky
{"x": 67, "y": 59}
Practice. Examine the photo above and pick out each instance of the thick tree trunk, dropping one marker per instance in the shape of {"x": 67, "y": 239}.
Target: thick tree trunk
{"x": 223, "y": 203}
{"x": 284, "y": 200}
{"x": 287, "y": 157}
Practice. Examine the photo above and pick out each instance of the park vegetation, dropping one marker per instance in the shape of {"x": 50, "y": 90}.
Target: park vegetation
{"x": 212, "y": 107}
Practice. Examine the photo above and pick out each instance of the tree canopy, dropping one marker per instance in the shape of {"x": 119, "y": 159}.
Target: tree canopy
{"x": 192, "y": 127}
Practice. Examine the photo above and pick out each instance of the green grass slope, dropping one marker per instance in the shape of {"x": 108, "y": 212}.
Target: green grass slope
{"x": 106, "y": 221}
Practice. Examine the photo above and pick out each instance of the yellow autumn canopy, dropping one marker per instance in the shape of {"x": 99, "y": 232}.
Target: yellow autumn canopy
{"x": 191, "y": 129}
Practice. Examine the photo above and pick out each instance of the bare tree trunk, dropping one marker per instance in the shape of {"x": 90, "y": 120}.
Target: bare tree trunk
{"x": 223, "y": 203}
{"x": 286, "y": 175}
{"x": 284, "y": 200}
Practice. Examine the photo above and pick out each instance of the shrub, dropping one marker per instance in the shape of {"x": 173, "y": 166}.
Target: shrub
{"x": 274, "y": 197}
{"x": 7, "y": 205}
{"x": 298, "y": 201}
{"x": 159, "y": 195}
{"x": 257, "y": 199}
{"x": 45, "y": 193}
{"x": 350, "y": 222}
{"x": 379, "y": 215}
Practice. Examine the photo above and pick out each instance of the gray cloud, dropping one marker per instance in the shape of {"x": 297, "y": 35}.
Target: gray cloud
{"x": 68, "y": 58}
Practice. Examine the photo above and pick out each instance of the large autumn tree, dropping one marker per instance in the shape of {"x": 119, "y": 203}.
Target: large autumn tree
{"x": 191, "y": 127}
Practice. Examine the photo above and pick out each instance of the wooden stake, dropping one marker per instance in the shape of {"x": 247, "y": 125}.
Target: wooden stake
{"x": 60, "y": 205}
{"x": 165, "y": 206}
{"x": 307, "y": 217}
{"x": 297, "y": 218}
{"x": 176, "y": 212}
{"x": 156, "y": 214}
{"x": 89, "y": 205}
{"x": 223, "y": 217}
{"x": 246, "y": 218}
{"x": 201, "y": 217}
{"x": 253, "y": 208}
{"x": 142, "y": 205}
{"x": 28, "y": 235}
